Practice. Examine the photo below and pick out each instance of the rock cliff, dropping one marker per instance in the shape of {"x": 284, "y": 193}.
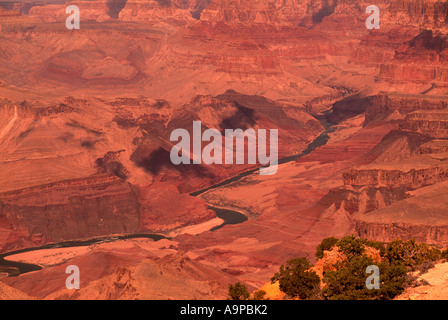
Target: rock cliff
{"x": 93, "y": 206}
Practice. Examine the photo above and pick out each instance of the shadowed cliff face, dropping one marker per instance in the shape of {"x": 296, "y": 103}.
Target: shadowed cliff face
{"x": 159, "y": 159}
{"x": 226, "y": 111}
{"x": 98, "y": 205}
{"x": 154, "y": 161}
{"x": 326, "y": 10}
{"x": 200, "y": 6}
{"x": 164, "y": 3}
{"x": 429, "y": 41}
{"x": 114, "y": 7}
{"x": 243, "y": 118}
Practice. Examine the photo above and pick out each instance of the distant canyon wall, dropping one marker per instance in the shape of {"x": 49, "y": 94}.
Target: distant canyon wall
{"x": 426, "y": 14}
{"x": 72, "y": 209}
{"x": 391, "y": 231}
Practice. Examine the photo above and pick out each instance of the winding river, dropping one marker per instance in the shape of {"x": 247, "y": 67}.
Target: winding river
{"x": 13, "y": 268}
{"x": 321, "y": 140}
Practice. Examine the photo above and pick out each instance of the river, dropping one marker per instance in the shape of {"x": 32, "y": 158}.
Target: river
{"x": 14, "y": 268}
{"x": 321, "y": 140}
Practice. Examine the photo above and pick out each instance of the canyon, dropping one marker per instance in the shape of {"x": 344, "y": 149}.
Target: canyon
{"x": 86, "y": 119}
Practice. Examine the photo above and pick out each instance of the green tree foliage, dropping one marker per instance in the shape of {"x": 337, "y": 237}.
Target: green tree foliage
{"x": 296, "y": 281}
{"x": 326, "y": 244}
{"x": 393, "y": 278}
{"x": 259, "y": 295}
{"x": 410, "y": 253}
{"x": 351, "y": 246}
{"x": 376, "y": 245}
{"x": 348, "y": 282}
{"x": 444, "y": 254}
{"x": 238, "y": 291}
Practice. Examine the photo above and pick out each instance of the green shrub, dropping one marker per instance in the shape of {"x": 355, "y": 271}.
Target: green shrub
{"x": 410, "y": 253}
{"x": 348, "y": 282}
{"x": 238, "y": 291}
{"x": 425, "y": 266}
{"x": 296, "y": 281}
{"x": 351, "y": 246}
{"x": 376, "y": 245}
{"x": 326, "y": 244}
{"x": 259, "y": 295}
{"x": 444, "y": 254}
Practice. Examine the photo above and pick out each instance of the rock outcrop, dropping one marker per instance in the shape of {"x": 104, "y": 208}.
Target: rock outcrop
{"x": 81, "y": 208}
{"x": 9, "y": 293}
{"x": 412, "y": 179}
{"x": 430, "y": 50}
{"x": 139, "y": 269}
{"x": 97, "y": 11}
{"x": 430, "y": 123}
{"x": 383, "y": 106}
{"x": 236, "y": 11}
{"x": 154, "y": 11}
{"x": 434, "y": 146}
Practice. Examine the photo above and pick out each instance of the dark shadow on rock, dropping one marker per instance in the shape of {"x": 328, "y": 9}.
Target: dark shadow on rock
{"x": 243, "y": 118}
{"x": 114, "y": 7}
